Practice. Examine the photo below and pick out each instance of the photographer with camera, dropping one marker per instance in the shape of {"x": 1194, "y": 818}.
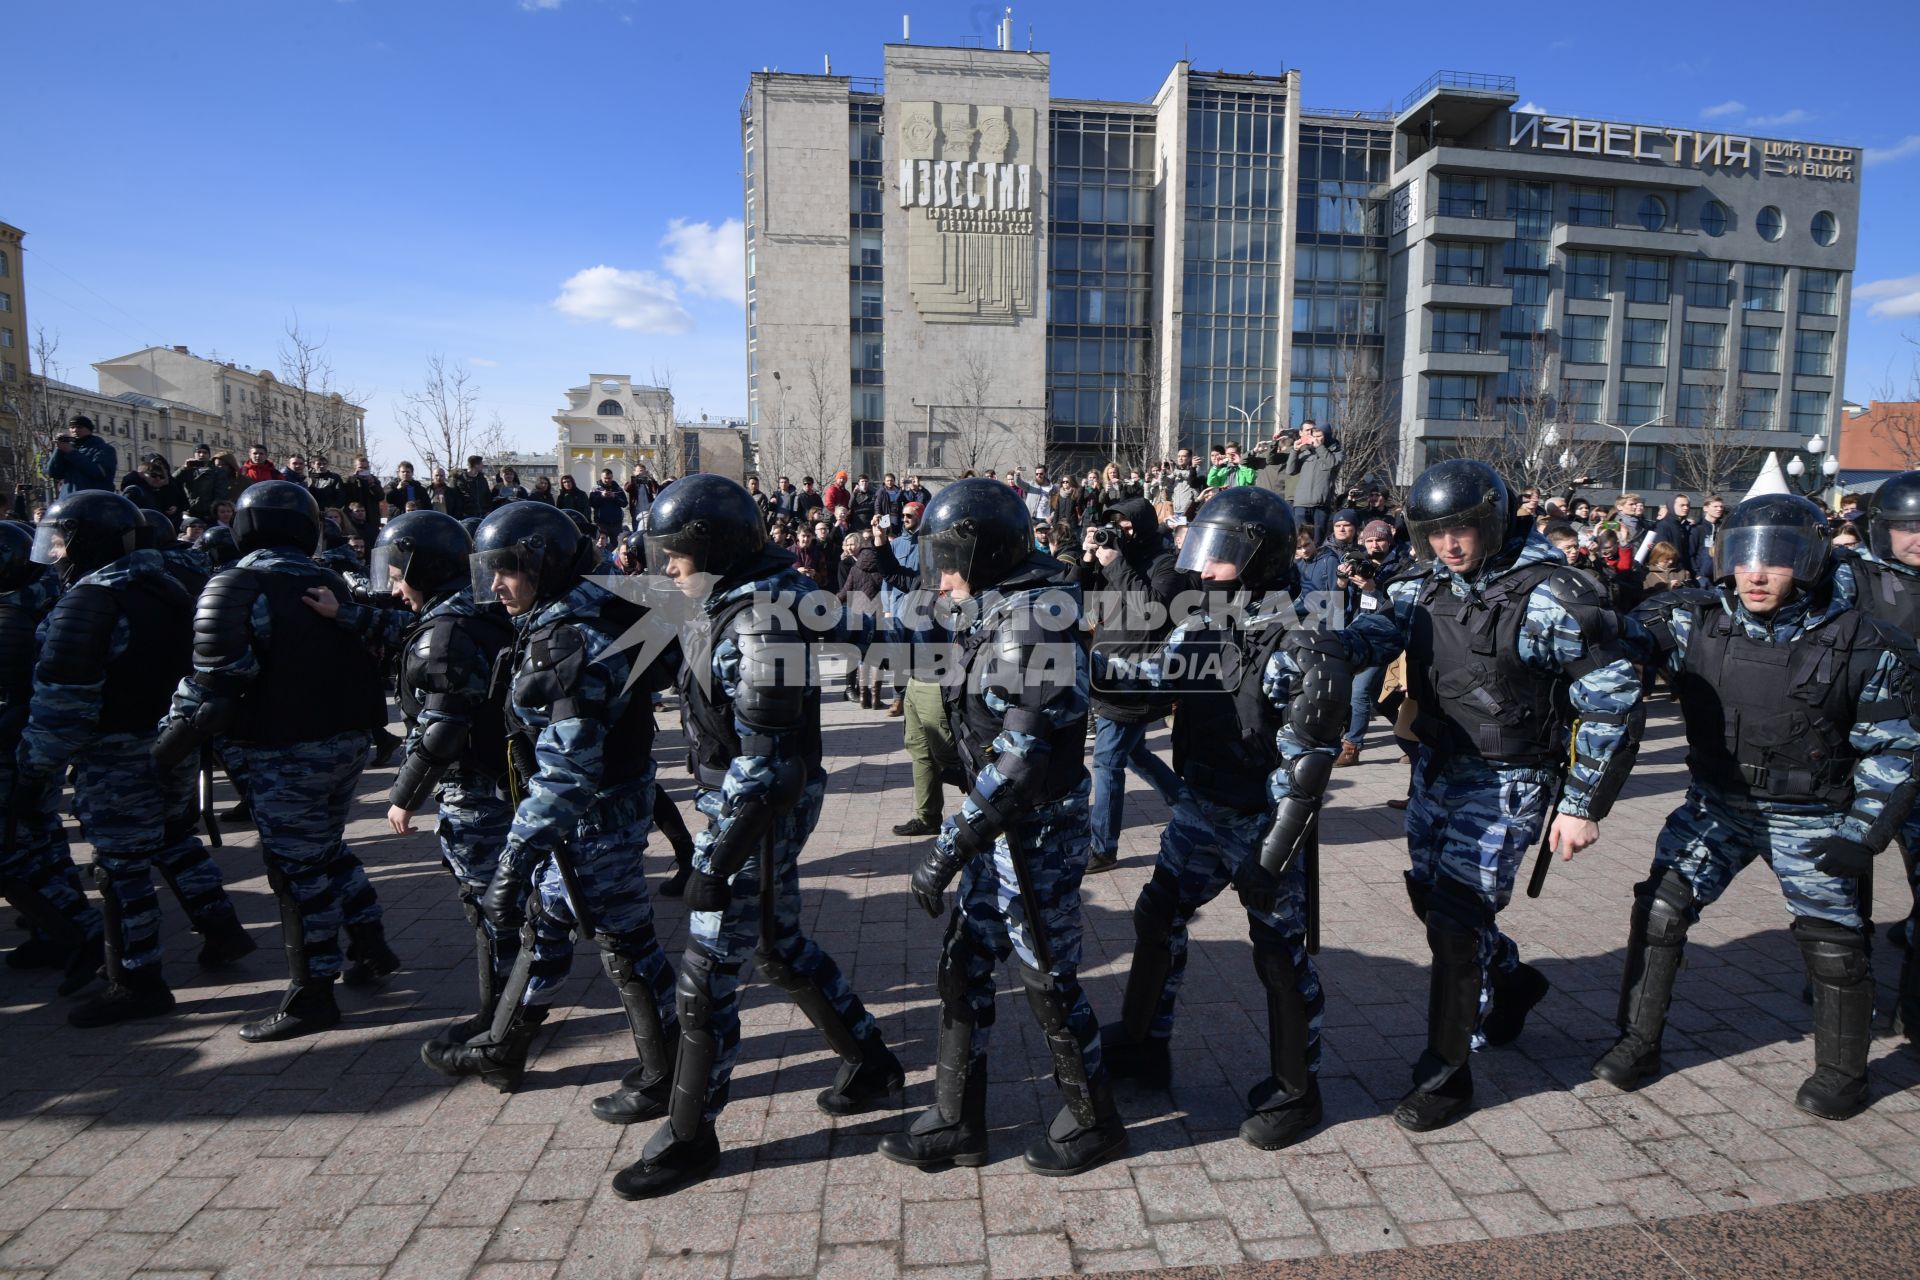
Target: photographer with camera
{"x": 81, "y": 460}
{"x": 1135, "y": 586}
{"x": 1363, "y": 573}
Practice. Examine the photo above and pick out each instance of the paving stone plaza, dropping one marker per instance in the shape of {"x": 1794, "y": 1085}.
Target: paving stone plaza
{"x": 170, "y": 1148}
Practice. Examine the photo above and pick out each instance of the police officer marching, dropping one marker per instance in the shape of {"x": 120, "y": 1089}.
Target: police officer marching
{"x": 1018, "y": 704}
{"x": 1503, "y": 640}
{"x": 1800, "y": 725}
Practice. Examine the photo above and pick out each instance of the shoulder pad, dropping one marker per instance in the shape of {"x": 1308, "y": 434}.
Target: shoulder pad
{"x": 435, "y": 640}
{"x": 79, "y": 635}
{"x": 1885, "y": 635}
{"x": 549, "y": 674}
{"x": 1572, "y": 587}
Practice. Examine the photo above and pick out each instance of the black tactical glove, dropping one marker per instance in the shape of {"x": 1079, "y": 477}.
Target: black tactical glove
{"x": 935, "y": 872}
{"x": 708, "y": 892}
{"x": 1259, "y": 891}
{"x": 505, "y": 902}
{"x": 1837, "y": 856}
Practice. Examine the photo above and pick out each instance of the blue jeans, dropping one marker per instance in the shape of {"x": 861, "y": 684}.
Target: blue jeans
{"x": 1366, "y": 692}
{"x": 1116, "y": 747}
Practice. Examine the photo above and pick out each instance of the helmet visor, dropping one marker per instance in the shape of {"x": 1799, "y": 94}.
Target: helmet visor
{"x": 1207, "y": 544}
{"x": 49, "y": 544}
{"x": 1800, "y": 551}
{"x": 1895, "y": 539}
{"x": 487, "y": 565}
{"x": 948, "y": 551}
{"x": 1482, "y": 519}
{"x": 389, "y": 564}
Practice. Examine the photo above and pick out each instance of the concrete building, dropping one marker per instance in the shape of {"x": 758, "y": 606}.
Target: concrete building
{"x": 950, "y": 268}
{"x": 613, "y": 423}
{"x": 14, "y": 340}
{"x": 136, "y": 426}
{"x": 252, "y": 405}
{"x": 1879, "y": 442}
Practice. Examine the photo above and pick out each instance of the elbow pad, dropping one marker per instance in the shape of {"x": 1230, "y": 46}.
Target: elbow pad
{"x": 1308, "y": 775}
{"x": 1619, "y": 766}
{"x": 182, "y": 735}
{"x": 440, "y": 746}
{"x": 1319, "y": 708}
{"x": 747, "y": 829}
{"x": 1893, "y": 814}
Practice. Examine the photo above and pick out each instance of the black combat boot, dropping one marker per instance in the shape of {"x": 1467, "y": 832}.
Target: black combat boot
{"x": 1514, "y": 995}
{"x": 1128, "y": 1048}
{"x": 685, "y": 1149}
{"x": 224, "y": 942}
{"x": 646, "y": 1091}
{"x": 130, "y": 994}
{"x": 369, "y": 957}
{"x": 864, "y": 1084}
{"x": 953, "y": 1131}
{"x": 1656, "y": 943}
{"x": 1085, "y": 1134}
{"x": 307, "y": 1007}
{"x": 1842, "y": 974}
{"x": 1442, "y": 1078}
{"x": 1286, "y": 1105}
{"x": 668, "y": 1163}
{"x": 500, "y": 1062}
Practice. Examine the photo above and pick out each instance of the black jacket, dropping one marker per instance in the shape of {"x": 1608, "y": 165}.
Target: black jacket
{"x": 1130, "y": 611}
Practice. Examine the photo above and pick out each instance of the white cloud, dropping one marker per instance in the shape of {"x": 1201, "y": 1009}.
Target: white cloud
{"x": 1890, "y": 298}
{"x": 533, "y": 5}
{"x": 481, "y": 362}
{"x": 1798, "y": 115}
{"x": 1731, "y": 107}
{"x": 707, "y": 260}
{"x": 640, "y": 300}
{"x": 1907, "y": 146}
{"x": 1530, "y": 108}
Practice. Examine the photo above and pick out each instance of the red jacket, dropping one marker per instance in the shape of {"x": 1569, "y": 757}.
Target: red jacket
{"x": 837, "y": 495}
{"x": 257, "y": 471}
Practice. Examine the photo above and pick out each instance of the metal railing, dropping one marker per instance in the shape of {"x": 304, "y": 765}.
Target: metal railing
{"x": 1460, "y": 80}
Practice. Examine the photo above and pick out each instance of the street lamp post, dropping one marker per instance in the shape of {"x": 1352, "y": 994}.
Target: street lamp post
{"x": 1246, "y": 417}
{"x": 1626, "y": 449}
{"x": 1827, "y": 468}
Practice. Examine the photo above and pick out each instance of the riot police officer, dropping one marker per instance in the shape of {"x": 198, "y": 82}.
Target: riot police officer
{"x": 1885, "y": 582}
{"x": 1501, "y": 635}
{"x": 580, "y": 767}
{"x": 1018, "y": 704}
{"x": 753, "y": 717}
{"x": 446, "y": 646}
{"x": 294, "y": 753}
{"x": 1254, "y": 737}
{"x": 1800, "y": 739}
{"x": 112, "y": 648}
{"x": 188, "y": 564}
{"x": 37, "y": 875}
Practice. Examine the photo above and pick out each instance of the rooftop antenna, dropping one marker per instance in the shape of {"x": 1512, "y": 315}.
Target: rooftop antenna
{"x": 826, "y": 60}
{"x": 1029, "y": 37}
{"x": 1006, "y": 29}
{"x": 906, "y": 28}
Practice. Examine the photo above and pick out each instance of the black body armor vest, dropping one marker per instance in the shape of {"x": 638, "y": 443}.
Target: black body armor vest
{"x": 1887, "y": 594}
{"x": 316, "y": 681}
{"x": 1225, "y": 741}
{"x": 713, "y": 740}
{"x": 18, "y": 622}
{"x": 547, "y": 663}
{"x": 975, "y": 725}
{"x": 159, "y": 653}
{"x": 479, "y": 639}
{"x": 1474, "y": 695}
{"x": 1771, "y": 720}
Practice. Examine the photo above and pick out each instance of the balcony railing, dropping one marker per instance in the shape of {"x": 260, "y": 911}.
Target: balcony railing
{"x": 1460, "y": 80}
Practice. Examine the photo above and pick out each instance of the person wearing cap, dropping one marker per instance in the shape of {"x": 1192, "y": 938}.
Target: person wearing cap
{"x": 81, "y": 460}
{"x": 1816, "y": 780}
{"x": 1364, "y": 574}
{"x": 838, "y": 493}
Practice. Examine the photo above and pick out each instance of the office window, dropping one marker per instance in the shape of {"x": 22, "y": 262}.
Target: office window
{"x": 6, "y": 269}
{"x": 1453, "y": 397}
{"x": 1766, "y": 288}
{"x": 1456, "y": 262}
{"x": 1698, "y": 406}
{"x": 1590, "y": 206}
{"x": 8, "y": 371}
{"x": 1756, "y": 408}
{"x": 1769, "y": 223}
{"x": 1759, "y": 349}
{"x": 1653, "y": 213}
{"x": 1646, "y": 343}
{"x": 1648, "y": 279}
{"x": 1585, "y": 340}
{"x": 1462, "y": 197}
{"x": 6, "y": 337}
{"x": 600, "y": 437}
{"x": 1528, "y": 314}
{"x": 6, "y": 302}
{"x": 1703, "y": 346}
{"x": 1809, "y": 413}
{"x": 1582, "y": 399}
{"x": 609, "y": 409}
{"x": 1641, "y": 402}
{"x": 1819, "y": 293}
{"x": 1813, "y": 353}
{"x": 1588, "y": 275}
{"x": 1713, "y": 218}
{"x": 1457, "y": 330}
{"x": 1709, "y": 284}
{"x": 1826, "y": 228}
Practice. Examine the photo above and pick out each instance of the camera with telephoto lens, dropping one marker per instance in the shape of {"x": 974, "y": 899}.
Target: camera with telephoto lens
{"x": 1359, "y": 565}
{"x": 1105, "y": 535}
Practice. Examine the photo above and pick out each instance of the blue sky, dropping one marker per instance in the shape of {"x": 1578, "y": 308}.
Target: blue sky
{"x": 541, "y": 188}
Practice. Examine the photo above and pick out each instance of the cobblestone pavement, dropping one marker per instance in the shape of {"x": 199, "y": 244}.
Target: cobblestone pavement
{"x": 172, "y": 1148}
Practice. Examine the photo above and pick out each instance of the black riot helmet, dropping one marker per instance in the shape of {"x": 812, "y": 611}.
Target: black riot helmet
{"x": 1459, "y": 494}
{"x": 427, "y": 550}
{"x": 1776, "y": 531}
{"x": 85, "y": 531}
{"x": 708, "y": 518}
{"x": 17, "y": 566}
{"x": 277, "y": 513}
{"x": 580, "y": 522}
{"x": 1247, "y": 527}
{"x": 218, "y": 542}
{"x": 977, "y": 528}
{"x": 1896, "y": 506}
{"x": 156, "y": 531}
{"x": 532, "y": 539}
{"x": 472, "y": 525}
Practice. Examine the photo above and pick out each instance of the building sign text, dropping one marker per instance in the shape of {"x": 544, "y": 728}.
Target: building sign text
{"x": 1689, "y": 147}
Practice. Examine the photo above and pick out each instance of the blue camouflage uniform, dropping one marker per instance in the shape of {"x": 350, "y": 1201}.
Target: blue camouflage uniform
{"x": 1483, "y": 795}
{"x": 36, "y": 871}
{"x": 762, "y": 917}
{"x": 121, "y": 797}
{"x": 300, "y": 793}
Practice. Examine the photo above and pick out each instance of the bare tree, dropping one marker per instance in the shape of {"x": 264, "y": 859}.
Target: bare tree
{"x": 1523, "y": 434}
{"x": 319, "y": 417}
{"x": 818, "y": 433}
{"x": 438, "y": 421}
{"x": 968, "y": 415}
{"x": 1366, "y": 422}
{"x": 1711, "y": 459}
{"x": 38, "y": 410}
{"x": 1897, "y": 416}
{"x": 656, "y": 441}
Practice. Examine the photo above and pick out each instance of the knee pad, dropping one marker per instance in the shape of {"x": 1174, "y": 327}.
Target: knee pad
{"x": 1154, "y": 909}
{"x": 1457, "y": 907}
{"x": 619, "y": 967}
{"x": 1834, "y": 953}
{"x": 693, "y": 990}
{"x": 1046, "y": 999}
{"x": 1417, "y": 893}
{"x": 776, "y": 968}
{"x": 1666, "y": 900}
{"x": 470, "y": 907}
{"x": 951, "y": 977}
